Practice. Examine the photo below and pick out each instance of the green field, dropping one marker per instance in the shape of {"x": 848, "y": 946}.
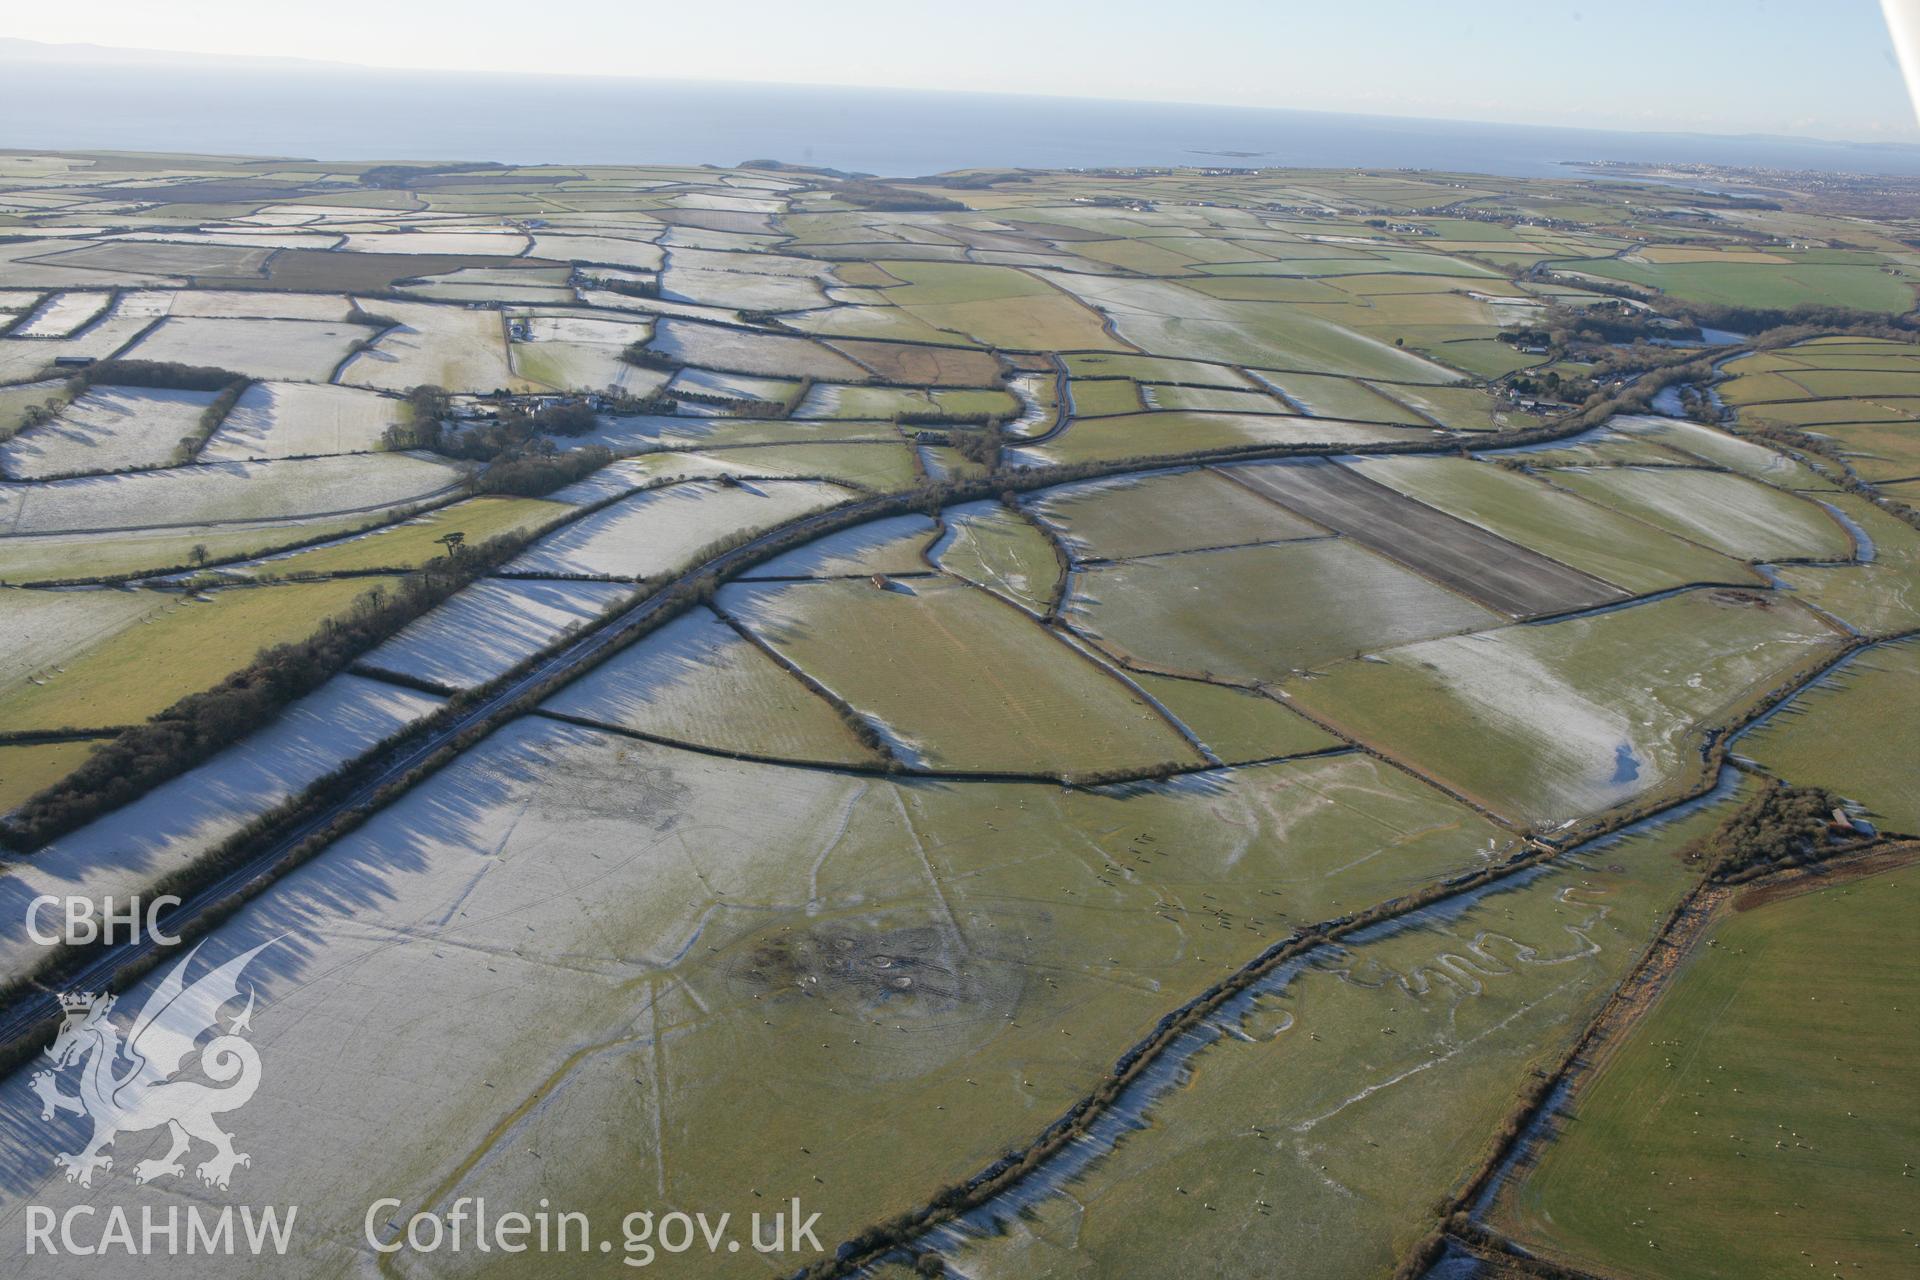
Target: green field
{"x": 191, "y": 646}
{"x": 1101, "y": 364}
{"x": 1877, "y": 451}
{"x": 1096, "y": 398}
{"x": 1166, "y": 512}
{"x": 1168, "y": 319}
{"x": 1784, "y": 285}
{"x": 415, "y": 542}
{"x": 1343, "y": 1105}
{"x": 944, "y": 283}
{"x": 1759, "y": 1120}
{"x": 1881, "y": 598}
{"x": 1457, "y": 408}
{"x": 962, "y": 680}
{"x": 882, "y": 466}
{"x": 1001, "y": 550}
{"x": 42, "y": 631}
{"x": 58, "y": 557}
{"x": 26, "y": 770}
{"x": 1237, "y": 725}
{"x": 1000, "y": 306}
{"x": 1213, "y": 400}
{"x": 1569, "y": 718}
{"x": 1856, "y": 732}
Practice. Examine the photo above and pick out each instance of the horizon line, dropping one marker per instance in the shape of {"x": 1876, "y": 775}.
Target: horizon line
{"x": 340, "y": 66}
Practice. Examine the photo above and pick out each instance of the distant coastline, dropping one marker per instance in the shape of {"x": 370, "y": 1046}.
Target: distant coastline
{"x": 315, "y": 110}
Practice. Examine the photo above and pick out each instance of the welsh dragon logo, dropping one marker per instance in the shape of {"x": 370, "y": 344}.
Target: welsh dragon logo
{"x": 130, "y": 1086}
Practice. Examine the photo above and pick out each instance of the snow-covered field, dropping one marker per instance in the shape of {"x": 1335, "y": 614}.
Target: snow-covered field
{"x": 741, "y": 352}
{"x": 490, "y": 627}
{"x": 472, "y": 947}
{"x": 892, "y": 544}
{"x": 1731, "y": 514}
{"x": 577, "y": 327}
{"x": 152, "y": 303}
{"x": 596, "y": 249}
{"x": 658, "y": 532}
{"x": 740, "y": 289}
{"x": 734, "y": 386}
{"x": 298, "y": 419}
{"x": 526, "y": 290}
{"x": 532, "y": 976}
{"x": 698, "y": 681}
{"x": 447, "y": 346}
{"x": 617, "y": 303}
{"x": 573, "y": 351}
{"x": 168, "y": 827}
{"x": 238, "y": 237}
{"x": 253, "y": 303}
{"x": 61, "y": 314}
{"x": 502, "y": 243}
{"x": 734, "y": 204}
{"x": 293, "y": 350}
{"x": 215, "y": 492}
{"x": 629, "y": 474}
{"x": 22, "y": 358}
{"x": 823, "y": 400}
{"x": 107, "y": 429}
{"x": 770, "y": 264}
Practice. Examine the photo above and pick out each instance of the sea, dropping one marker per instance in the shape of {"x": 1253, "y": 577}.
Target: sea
{"x": 354, "y": 114}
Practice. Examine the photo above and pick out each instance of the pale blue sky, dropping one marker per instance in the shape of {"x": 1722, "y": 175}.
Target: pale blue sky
{"x": 1822, "y": 68}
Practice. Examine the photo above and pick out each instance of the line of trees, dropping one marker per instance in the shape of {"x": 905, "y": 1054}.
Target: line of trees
{"x": 356, "y": 314}
{"x": 879, "y": 196}
{"x": 738, "y": 406}
{"x": 34, "y": 415}
{"x": 948, "y": 418}
{"x": 625, "y": 287}
{"x": 210, "y": 419}
{"x": 396, "y": 177}
{"x": 1604, "y": 323}
{"x": 1807, "y": 315}
{"x": 536, "y": 473}
{"x": 645, "y": 357}
{"x": 424, "y": 422}
{"x": 161, "y": 375}
{"x": 1780, "y": 826}
{"x": 625, "y": 402}
{"x": 982, "y": 448}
